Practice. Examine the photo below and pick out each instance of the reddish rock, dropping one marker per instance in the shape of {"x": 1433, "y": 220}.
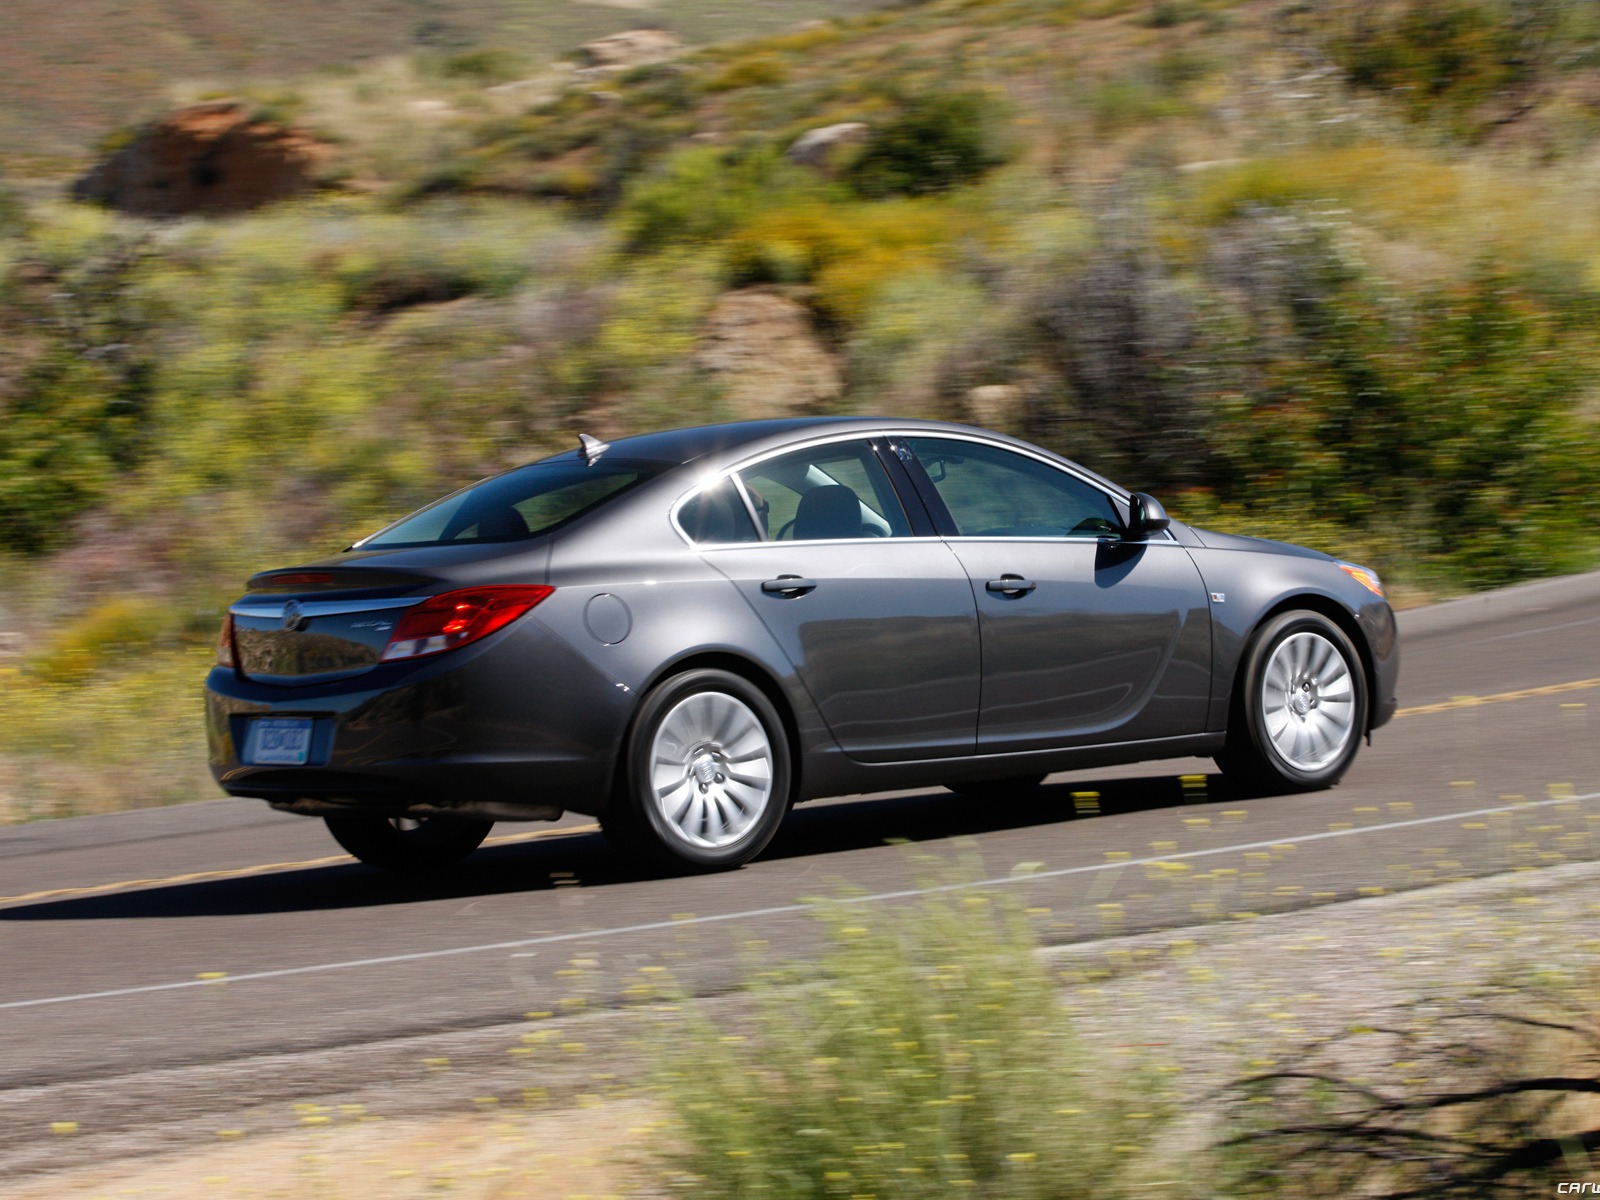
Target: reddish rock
{"x": 206, "y": 159}
{"x": 763, "y": 349}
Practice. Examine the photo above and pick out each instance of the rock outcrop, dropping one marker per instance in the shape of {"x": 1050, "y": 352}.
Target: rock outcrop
{"x": 207, "y": 159}
{"x": 818, "y": 147}
{"x": 995, "y": 406}
{"x": 762, "y": 348}
{"x": 631, "y": 48}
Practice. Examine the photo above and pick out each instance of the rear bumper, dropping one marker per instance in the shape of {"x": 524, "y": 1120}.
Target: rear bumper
{"x": 505, "y": 734}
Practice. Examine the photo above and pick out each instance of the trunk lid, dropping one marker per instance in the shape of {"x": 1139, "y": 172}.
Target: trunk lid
{"x": 317, "y": 624}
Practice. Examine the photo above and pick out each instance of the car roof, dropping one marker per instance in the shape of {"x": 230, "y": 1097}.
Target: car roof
{"x": 739, "y": 439}
{"x": 688, "y": 445}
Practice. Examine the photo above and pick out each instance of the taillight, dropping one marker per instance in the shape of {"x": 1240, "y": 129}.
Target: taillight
{"x": 225, "y": 654}
{"x": 454, "y": 619}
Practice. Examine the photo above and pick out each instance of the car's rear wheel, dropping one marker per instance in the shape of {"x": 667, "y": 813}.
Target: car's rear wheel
{"x": 706, "y": 776}
{"x": 997, "y": 789}
{"x": 409, "y": 845}
{"x": 1300, "y": 707}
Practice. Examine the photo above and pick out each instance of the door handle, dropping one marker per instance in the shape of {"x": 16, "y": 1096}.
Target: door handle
{"x": 1011, "y": 585}
{"x": 788, "y": 585}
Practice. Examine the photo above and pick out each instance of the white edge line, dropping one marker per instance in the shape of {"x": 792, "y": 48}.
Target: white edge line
{"x": 783, "y": 909}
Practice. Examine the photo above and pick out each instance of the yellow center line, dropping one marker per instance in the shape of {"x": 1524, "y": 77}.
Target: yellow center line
{"x": 1554, "y": 689}
{"x": 267, "y": 868}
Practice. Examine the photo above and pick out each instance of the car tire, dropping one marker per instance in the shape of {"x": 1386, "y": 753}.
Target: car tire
{"x": 706, "y": 774}
{"x": 1299, "y": 708}
{"x": 407, "y": 845}
{"x": 997, "y": 789}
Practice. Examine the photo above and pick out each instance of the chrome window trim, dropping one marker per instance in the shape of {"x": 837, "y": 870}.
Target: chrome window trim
{"x": 861, "y": 541}
{"x": 866, "y": 436}
{"x": 1118, "y": 494}
{"x": 749, "y": 506}
{"x": 1098, "y": 539}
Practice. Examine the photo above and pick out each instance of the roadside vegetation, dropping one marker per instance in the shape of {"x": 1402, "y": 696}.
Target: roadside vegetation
{"x": 926, "y": 1055}
{"x": 1436, "y": 1045}
{"x": 1328, "y": 272}
{"x": 935, "y": 1053}
{"x": 1422, "y": 1042}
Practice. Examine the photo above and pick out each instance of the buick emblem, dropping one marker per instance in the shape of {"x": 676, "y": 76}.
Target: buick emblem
{"x": 293, "y": 619}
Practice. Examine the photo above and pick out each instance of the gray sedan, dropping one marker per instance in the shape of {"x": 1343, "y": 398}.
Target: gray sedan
{"x": 684, "y": 633}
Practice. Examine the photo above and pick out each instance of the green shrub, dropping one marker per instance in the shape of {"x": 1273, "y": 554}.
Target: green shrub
{"x": 1448, "y": 421}
{"x": 1121, "y": 331}
{"x": 74, "y": 411}
{"x": 1129, "y": 100}
{"x": 849, "y": 252}
{"x": 132, "y": 736}
{"x": 485, "y": 67}
{"x": 938, "y": 142}
{"x": 1165, "y": 14}
{"x": 1449, "y": 57}
{"x": 13, "y": 213}
{"x": 705, "y": 193}
{"x": 54, "y": 461}
{"x": 924, "y": 1056}
{"x": 281, "y": 106}
{"x": 109, "y": 633}
{"x": 661, "y": 90}
{"x": 756, "y": 70}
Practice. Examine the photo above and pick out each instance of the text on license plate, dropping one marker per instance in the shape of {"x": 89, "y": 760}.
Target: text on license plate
{"x": 283, "y": 741}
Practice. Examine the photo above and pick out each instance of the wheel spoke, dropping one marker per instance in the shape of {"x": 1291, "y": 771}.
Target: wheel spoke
{"x": 728, "y": 813}
{"x": 1322, "y": 652}
{"x": 1278, "y": 720}
{"x": 1308, "y": 701}
{"x": 676, "y": 803}
{"x": 712, "y": 769}
{"x": 726, "y": 717}
{"x": 749, "y": 797}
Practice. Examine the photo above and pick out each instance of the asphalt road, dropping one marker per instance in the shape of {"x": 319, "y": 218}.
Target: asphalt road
{"x": 222, "y": 932}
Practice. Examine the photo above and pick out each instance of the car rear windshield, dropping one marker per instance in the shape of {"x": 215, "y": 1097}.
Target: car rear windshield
{"x": 519, "y": 504}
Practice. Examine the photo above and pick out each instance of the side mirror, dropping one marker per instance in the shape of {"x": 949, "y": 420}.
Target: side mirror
{"x": 1145, "y": 517}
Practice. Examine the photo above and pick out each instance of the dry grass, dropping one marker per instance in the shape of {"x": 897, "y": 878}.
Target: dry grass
{"x": 343, "y": 1151}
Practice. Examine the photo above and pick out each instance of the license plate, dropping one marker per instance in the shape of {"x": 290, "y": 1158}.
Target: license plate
{"x": 279, "y": 741}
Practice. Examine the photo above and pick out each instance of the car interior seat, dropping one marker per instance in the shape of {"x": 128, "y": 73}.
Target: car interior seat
{"x": 501, "y": 524}
{"x": 830, "y": 511}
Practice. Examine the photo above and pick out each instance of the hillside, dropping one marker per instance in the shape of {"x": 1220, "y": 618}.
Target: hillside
{"x": 71, "y": 73}
{"x": 1325, "y": 272}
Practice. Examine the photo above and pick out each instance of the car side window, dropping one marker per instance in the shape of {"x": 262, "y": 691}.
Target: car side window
{"x": 837, "y": 490}
{"x": 717, "y": 515}
{"x": 992, "y": 492}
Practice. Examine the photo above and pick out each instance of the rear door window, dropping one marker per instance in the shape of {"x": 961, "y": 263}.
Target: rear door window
{"x": 836, "y": 490}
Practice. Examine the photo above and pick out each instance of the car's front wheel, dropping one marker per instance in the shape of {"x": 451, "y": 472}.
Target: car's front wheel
{"x": 409, "y": 845}
{"x": 706, "y": 777}
{"x": 1300, "y": 707}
